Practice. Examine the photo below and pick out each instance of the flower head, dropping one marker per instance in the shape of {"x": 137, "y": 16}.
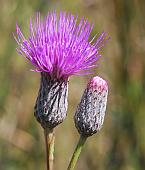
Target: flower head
{"x": 59, "y": 45}
{"x": 90, "y": 113}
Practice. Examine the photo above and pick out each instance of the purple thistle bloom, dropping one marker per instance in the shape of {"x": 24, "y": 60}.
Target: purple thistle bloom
{"x": 60, "y": 46}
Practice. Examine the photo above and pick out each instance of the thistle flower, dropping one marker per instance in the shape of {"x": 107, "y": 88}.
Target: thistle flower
{"x": 58, "y": 46}
{"x": 90, "y": 113}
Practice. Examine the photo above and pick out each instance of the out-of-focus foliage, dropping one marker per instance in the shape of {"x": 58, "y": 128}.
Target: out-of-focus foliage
{"x": 121, "y": 143}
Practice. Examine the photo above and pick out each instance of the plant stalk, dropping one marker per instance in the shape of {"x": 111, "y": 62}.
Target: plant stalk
{"x": 76, "y": 153}
{"x": 49, "y": 142}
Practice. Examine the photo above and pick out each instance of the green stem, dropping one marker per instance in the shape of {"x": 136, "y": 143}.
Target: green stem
{"x": 76, "y": 153}
{"x": 49, "y": 142}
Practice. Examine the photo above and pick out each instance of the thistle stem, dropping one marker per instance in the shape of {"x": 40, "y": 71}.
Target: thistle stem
{"x": 49, "y": 142}
{"x": 76, "y": 153}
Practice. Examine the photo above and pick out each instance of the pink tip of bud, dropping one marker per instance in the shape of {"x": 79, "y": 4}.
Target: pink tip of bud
{"x": 98, "y": 83}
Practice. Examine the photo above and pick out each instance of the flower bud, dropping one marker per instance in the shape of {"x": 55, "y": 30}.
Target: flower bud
{"x": 89, "y": 116}
{"x": 51, "y": 104}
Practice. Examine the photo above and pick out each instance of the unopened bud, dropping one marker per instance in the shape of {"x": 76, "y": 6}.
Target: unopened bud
{"x": 90, "y": 113}
{"x": 51, "y": 104}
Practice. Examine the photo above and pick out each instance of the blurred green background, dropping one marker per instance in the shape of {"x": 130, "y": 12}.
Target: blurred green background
{"x": 121, "y": 143}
